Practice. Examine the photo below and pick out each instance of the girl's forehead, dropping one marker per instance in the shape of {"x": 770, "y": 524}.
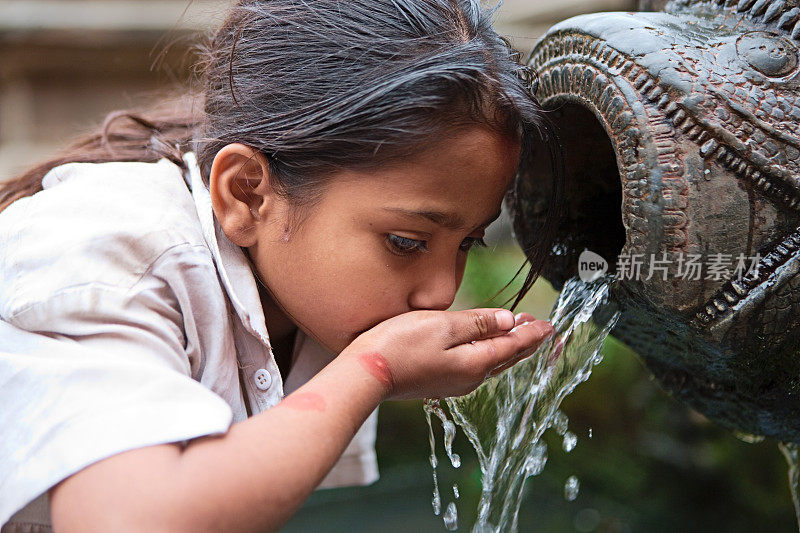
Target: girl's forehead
{"x": 463, "y": 159}
{"x": 460, "y": 180}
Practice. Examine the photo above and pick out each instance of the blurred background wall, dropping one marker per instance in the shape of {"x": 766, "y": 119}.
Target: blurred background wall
{"x": 64, "y": 64}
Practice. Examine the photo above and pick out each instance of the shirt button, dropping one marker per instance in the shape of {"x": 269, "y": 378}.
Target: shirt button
{"x": 263, "y": 379}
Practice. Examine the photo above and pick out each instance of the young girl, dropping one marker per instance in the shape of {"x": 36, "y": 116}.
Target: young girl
{"x": 200, "y": 312}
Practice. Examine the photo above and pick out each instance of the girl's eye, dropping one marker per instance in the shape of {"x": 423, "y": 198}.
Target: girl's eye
{"x": 405, "y": 246}
{"x": 469, "y": 242}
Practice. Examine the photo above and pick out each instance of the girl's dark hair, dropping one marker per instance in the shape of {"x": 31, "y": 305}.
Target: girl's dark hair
{"x": 323, "y": 85}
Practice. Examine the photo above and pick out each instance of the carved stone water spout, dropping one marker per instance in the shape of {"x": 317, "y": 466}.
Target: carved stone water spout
{"x": 681, "y": 130}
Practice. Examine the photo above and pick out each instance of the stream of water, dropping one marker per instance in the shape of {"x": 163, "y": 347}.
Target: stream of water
{"x": 791, "y": 451}
{"x": 506, "y": 417}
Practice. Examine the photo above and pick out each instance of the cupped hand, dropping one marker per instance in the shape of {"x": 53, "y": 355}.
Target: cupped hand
{"x": 445, "y": 353}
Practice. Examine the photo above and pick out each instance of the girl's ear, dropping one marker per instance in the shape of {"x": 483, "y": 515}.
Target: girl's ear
{"x": 241, "y": 192}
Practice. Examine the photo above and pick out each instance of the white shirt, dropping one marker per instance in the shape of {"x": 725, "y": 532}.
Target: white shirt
{"x": 128, "y": 319}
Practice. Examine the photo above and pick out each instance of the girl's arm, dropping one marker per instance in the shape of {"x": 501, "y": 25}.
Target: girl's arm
{"x": 257, "y": 475}
{"x": 251, "y": 479}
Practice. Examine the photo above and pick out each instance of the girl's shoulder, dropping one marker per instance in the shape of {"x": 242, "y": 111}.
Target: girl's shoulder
{"x": 82, "y": 202}
{"x": 95, "y": 224}
{"x": 134, "y": 197}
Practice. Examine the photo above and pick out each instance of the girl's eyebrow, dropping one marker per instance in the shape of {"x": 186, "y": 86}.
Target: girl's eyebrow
{"x": 446, "y": 220}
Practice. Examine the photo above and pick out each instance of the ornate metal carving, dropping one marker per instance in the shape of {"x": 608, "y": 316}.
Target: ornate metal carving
{"x": 682, "y": 135}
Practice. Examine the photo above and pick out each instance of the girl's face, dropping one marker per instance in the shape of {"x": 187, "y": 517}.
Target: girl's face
{"x": 381, "y": 242}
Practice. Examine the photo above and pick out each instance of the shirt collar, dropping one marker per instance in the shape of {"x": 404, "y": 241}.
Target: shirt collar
{"x": 233, "y": 266}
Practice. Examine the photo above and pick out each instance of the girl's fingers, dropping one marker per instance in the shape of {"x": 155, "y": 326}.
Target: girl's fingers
{"x": 520, "y": 356}
{"x": 478, "y": 324}
{"x": 521, "y": 318}
{"x": 558, "y": 345}
{"x": 519, "y": 343}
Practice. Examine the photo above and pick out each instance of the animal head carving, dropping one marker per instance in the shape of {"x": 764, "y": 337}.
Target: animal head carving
{"x": 681, "y": 130}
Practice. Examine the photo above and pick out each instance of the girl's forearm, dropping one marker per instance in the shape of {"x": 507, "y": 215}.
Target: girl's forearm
{"x": 257, "y": 475}
{"x": 253, "y": 478}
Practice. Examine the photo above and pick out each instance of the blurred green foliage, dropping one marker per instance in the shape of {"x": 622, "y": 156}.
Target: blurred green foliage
{"x": 650, "y": 464}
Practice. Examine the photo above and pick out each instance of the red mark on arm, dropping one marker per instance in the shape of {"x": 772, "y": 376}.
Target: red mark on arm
{"x": 378, "y": 367}
{"x": 304, "y": 401}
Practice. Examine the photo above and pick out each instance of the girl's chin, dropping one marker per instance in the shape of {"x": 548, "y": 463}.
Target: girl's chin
{"x": 344, "y": 339}
{"x": 341, "y": 341}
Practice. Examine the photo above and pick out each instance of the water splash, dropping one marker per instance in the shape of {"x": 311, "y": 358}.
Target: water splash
{"x": 571, "y": 488}
{"x": 436, "y": 501}
{"x": 451, "y": 517}
{"x": 792, "y": 453}
{"x": 560, "y": 422}
{"x": 536, "y": 460}
{"x": 748, "y": 438}
{"x": 433, "y": 406}
{"x": 570, "y": 440}
{"x": 506, "y": 417}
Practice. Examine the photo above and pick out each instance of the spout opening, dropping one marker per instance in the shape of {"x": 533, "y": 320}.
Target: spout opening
{"x": 593, "y": 193}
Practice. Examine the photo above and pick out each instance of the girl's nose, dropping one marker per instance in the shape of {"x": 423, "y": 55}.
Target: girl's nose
{"x": 435, "y": 290}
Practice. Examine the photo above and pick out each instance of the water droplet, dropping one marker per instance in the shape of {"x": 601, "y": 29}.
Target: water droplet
{"x": 434, "y": 407}
{"x": 746, "y": 437}
{"x": 449, "y": 429}
{"x": 590, "y": 433}
{"x": 570, "y": 440}
{"x": 571, "y": 488}
{"x": 537, "y": 459}
{"x": 451, "y": 517}
{"x": 436, "y": 502}
{"x": 449, "y": 435}
{"x": 456, "y": 495}
{"x": 560, "y": 423}
{"x": 792, "y": 453}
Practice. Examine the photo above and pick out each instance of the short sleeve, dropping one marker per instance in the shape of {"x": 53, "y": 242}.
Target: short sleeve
{"x": 64, "y": 406}
{"x": 94, "y": 350}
